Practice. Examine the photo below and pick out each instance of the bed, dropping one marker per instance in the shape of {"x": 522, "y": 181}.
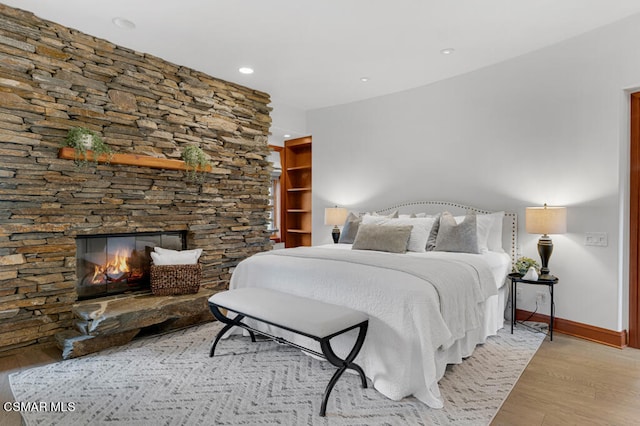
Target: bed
{"x": 427, "y": 309}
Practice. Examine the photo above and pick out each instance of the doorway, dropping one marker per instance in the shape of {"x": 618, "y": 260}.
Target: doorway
{"x": 634, "y": 223}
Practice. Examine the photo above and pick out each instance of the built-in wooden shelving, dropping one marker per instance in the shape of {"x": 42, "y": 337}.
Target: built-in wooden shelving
{"x": 297, "y": 180}
{"x": 293, "y": 169}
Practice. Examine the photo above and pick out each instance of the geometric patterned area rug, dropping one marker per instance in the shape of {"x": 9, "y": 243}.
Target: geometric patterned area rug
{"x": 170, "y": 380}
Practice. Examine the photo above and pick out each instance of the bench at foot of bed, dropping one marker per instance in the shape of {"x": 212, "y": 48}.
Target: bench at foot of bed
{"x": 307, "y": 317}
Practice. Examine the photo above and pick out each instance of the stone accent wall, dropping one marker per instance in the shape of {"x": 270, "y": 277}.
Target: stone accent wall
{"x": 53, "y": 78}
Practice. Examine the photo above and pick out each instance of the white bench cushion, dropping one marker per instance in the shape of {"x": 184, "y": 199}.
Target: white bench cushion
{"x": 308, "y": 316}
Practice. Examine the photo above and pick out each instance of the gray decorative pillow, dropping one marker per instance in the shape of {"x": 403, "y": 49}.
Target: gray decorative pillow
{"x": 462, "y": 237}
{"x": 390, "y": 238}
{"x": 431, "y": 242}
{"x": 350, "y": 229}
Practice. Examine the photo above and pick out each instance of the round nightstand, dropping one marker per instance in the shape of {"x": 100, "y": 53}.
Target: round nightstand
{"x": 549, "y": 282}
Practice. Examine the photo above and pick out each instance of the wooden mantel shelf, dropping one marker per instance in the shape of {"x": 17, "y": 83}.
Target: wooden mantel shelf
{"x": 68, "y": 153}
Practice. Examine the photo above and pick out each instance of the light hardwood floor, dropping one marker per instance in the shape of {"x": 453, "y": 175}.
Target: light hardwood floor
{"x": 571, "y": 381}
{"x": 568, "y": 382}
{"x": 21, "y": 360}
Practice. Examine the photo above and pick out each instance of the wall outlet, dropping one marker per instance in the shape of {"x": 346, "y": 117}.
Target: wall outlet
{"x": 596, "y": 239}
{"x": 541, "y": 297}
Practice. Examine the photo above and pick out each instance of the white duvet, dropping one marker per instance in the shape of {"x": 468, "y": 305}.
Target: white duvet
{"x": 425, "y": 309}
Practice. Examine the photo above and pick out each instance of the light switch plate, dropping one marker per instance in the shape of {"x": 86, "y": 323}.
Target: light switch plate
{"x": 596, "y": 239}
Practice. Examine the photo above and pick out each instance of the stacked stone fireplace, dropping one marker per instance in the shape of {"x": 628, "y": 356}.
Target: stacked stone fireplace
{"x": 53, "y": 78}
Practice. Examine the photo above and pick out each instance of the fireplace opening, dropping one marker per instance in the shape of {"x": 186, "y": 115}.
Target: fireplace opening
{"x": 119, "y": 263}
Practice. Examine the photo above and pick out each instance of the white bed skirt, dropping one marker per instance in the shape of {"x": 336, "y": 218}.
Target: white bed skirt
{"x": 463, "y": 348}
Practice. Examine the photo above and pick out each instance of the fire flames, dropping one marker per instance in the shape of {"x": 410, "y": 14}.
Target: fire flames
{"x": 114, "y": 269}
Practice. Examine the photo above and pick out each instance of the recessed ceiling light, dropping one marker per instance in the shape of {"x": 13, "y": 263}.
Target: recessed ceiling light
{"x": 123, "y": 23}
{"x": 287, "y": 135}
{"x": 364, "y": 79}
{"x": 246, "y": 70}
{"x": 447, "y": 51}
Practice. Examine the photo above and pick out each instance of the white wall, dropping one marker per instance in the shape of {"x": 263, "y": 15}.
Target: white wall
{"x": 549, "y": 126}
{"x": 286, "y": 120}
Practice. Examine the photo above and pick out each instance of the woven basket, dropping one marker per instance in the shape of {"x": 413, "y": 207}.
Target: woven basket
{"x": 168, "y": 280}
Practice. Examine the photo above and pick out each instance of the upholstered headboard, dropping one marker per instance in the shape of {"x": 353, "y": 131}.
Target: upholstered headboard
{"x": 509, "y": 224}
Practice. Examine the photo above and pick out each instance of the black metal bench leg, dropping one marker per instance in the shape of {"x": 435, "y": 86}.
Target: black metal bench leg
{"x": 342, "y": 364}
{"x": 357, "y": 368}
{"x": 218, "y": 337}
{"x": 230, "y": 323}
{"x": 327, "y": 391}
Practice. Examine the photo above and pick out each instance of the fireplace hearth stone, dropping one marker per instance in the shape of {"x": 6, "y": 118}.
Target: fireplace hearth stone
{"x": 116, "y": 320}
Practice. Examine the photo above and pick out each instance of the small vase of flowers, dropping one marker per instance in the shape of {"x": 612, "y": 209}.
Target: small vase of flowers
{"x": 524, "y": 263}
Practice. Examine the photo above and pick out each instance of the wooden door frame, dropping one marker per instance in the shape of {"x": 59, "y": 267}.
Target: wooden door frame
{"x": 634, "y": 222}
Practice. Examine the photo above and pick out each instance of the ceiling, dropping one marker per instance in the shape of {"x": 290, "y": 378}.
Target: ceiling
{"x": 313, "y": 54}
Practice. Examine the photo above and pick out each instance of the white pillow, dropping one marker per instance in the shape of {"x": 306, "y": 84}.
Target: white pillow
{"x": 495, "y": 235}
{"x": 421, "y": 228}
{"x": 369, "y": 219}
{"x": 489, "y": 231}
{"x": 195, "y": 252}
{"x": 162, "y": 256}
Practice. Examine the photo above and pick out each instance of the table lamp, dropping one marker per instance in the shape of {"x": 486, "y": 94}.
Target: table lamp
{"x": 546, "y": 220}
{"x": 335, "y": 216}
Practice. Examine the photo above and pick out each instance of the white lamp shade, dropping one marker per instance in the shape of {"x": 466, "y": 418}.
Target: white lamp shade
{"x": 546, "y": 220}
{"x": 335, "y": 216}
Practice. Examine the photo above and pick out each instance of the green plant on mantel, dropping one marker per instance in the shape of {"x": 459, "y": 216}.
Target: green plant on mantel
{"x": 196, "y": 161}
{"x": 82, "y": 140}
